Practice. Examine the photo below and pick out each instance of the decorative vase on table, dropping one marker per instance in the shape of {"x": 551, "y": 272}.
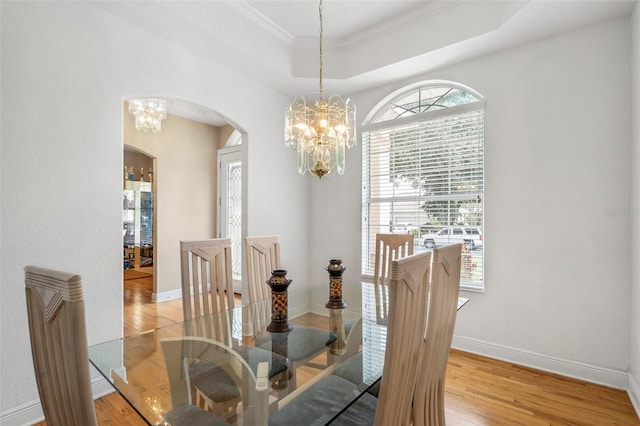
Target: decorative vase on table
{"x": 335, "y": 270}
{"x": 279, "y": 284}
{"x": 336, "y": 307}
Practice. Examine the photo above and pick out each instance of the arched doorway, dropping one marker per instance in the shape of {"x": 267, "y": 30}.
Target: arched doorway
{"x": 185, "y": 187}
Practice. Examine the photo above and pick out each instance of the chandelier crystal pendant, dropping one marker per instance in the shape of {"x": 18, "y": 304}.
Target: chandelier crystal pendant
{"x": 320, "y": 129}
{"x": 149, "y": 114}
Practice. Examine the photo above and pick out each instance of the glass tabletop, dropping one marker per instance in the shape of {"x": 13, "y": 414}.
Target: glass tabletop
{"x": 331, "y": 379}
{"x": 135, "y": 365}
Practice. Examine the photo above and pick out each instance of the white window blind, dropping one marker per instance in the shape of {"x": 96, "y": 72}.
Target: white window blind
{"x": 423, "y": 173}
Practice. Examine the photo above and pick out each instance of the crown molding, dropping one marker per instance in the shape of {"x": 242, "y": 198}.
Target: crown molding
{"x": 265, "y": 23}
{"x": 390, "y": 27}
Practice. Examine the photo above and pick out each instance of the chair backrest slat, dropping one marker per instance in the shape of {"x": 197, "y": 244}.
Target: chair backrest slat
{"x": 57, "y": 329}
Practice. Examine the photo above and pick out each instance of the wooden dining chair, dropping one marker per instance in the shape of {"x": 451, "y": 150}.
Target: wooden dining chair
{"x": 263, "y": 256}
{"x": 55, "y": 308}
{"x": 208, "y": 300}
{"x": 406, "y": 323}
{"x": 404, "y": 400}
{"x": 182, "y": 352}
{"x": 303, "y": 343}
{"x": 207, "y": 285}
{"x": 389, "y": 247}
{"x": 428, "y": 404}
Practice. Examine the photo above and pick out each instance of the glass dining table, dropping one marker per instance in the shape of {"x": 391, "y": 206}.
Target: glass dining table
{"x": 136, "y": 368}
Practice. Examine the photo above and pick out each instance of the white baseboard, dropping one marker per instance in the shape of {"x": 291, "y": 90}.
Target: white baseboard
{"x": 320, "y": 309}
{"x": 31, "y": 412}
{"x": 605, "y": 376}
{"x": 166, "y": 295}
{"x": 101, "y": 387}
{"x": 299, "y": 309}
{"x": 23, "y": 415}
{"x": 634, "y": 393}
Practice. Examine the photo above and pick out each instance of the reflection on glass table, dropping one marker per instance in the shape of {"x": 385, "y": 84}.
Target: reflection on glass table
{"x": 136, "y": 366}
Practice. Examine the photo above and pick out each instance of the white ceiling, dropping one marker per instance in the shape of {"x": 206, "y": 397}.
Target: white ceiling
{"x": 365, "y": 42}
{"x": 341, "y": 18}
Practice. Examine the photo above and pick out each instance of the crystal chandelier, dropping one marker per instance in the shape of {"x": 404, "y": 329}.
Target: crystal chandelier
{"x": 149, "y": 114}
{"x": 320, "y": 129}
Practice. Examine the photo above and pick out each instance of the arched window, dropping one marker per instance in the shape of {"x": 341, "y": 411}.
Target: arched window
{"x": 423, "y": 172}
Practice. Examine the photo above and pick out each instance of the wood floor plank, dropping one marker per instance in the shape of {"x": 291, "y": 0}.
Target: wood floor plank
{"x": 505, "y": 393}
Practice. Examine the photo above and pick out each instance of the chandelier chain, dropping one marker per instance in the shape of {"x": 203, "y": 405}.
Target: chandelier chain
{"x": 320, "y": 13}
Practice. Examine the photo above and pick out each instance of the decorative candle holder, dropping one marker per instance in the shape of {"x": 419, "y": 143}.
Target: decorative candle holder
{"x": 279, "y": 284}
{"x": 336, "y": 307}
{"x": 335, "y": 270}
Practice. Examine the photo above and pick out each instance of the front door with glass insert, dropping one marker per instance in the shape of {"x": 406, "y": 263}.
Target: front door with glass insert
{"x": 230, "y": 204}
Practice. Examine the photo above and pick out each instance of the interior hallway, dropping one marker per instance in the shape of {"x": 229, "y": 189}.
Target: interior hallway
{"x": 140, "y": 313}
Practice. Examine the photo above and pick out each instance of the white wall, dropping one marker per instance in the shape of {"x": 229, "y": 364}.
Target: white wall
{"x": 66, "y": 68}
{"x": 634, "y": 353}
{"x": 558, "y": 141}
{"x": 557, "y": 148}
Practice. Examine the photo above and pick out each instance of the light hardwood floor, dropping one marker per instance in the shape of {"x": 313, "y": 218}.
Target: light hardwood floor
{"x": 479, "y": 391}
